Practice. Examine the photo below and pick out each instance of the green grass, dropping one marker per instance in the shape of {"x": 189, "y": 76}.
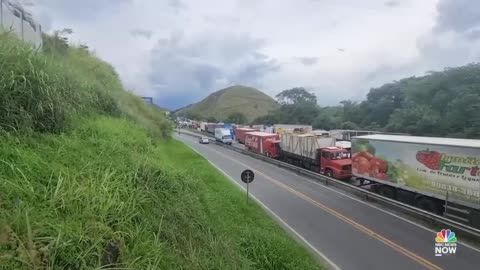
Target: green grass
{"x": 45, "y": 92}
{"x": 246, "y": 100}
{"x": 65, "y": 197}
{"x": 90, "y": 177}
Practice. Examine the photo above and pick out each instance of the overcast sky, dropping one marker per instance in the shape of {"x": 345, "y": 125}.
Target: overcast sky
{"x": 179, "y": 51}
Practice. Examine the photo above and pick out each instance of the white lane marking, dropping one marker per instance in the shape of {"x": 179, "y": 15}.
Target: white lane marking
{"x": 368, "y": 204}
{"x": 332, "y": 264}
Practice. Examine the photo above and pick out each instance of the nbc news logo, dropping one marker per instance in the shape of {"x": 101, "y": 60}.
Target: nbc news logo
{"x": 446, "y": 243}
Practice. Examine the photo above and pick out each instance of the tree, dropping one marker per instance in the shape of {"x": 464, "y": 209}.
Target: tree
{"x": 296, "y": 96}
{"x": 212, "y": 119}
{"x": 237, "y": 118}
{"x": 324, "y": 121}
{"x": 193, "y": 115}
{"x": 349, "y": 125}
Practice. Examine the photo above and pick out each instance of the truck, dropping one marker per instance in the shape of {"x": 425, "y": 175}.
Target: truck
{"x": 240, "y": 133}
{"x": 316, "y": 153}
{"x": 223, "y": 135}
{"x": 439, "y": 175}
{"x": 262, "y": 143}
{"x": 281, "y": 128}
{"x": 230, "y": 127}
{"x": 210, "y": 128}
{"x": 203, "y": 126}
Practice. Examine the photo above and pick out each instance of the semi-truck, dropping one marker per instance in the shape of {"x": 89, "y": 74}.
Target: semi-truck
{"x": 316, "y": 153}
{"x": 212, "y": 126}
{"x": 223, "y": 135}
{"x": 440, "y": 175}
{"x": 262, "y": 143}
{"x": 281, "y": 128}
{"x": 240, "y": 133}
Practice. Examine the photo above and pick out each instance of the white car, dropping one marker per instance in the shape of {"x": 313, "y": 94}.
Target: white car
{"x": 204, "y": 140}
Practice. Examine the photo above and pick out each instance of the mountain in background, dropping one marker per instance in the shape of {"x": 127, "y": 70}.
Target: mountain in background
{"x": 249, "y": 101}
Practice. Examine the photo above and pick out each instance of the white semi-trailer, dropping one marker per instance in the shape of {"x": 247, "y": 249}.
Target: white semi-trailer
{"x": 440, "y": 175}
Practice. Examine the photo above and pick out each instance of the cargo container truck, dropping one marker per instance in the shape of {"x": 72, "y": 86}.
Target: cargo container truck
{"x": 203, "y": 126}
{"x": 262, "y": 143}
{"x": 440, "y": 175}
{"x": 223, "y": 135}
{"x": 316, "y": 153}
{"x": 280, "y": 128}
{"x": 212, "y": 126}
{"x": 241, "y": 133}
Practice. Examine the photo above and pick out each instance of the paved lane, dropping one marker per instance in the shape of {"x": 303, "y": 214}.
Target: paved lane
{"x": 349, "y": 232}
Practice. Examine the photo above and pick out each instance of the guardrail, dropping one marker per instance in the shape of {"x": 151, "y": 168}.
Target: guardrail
{"x": 366, "y": 194}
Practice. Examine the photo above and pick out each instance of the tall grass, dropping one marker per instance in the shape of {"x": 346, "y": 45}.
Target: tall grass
{"x": 65, "y": 199}
{"x": 44, "y": 92}
{"x": 89, "y": 179}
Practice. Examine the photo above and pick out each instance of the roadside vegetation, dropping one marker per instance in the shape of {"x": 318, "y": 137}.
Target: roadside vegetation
{"x": 444, "y": 104}
{"x": 89, "y": 178}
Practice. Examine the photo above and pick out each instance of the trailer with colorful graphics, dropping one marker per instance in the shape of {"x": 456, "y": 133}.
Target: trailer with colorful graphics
{"x": 262, "y": 143}
{"x": 242, "y": 132}
{"x": 440, "y": 175}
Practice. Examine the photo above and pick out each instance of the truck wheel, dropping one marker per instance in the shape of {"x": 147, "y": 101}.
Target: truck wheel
{"x": 267, "y": 154}
{"x": 429, "y": 205}
{"x": 329, "y": 173}
{"x": 387, "y": 191}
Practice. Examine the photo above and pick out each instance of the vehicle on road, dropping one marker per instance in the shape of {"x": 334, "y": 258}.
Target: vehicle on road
{"x": 306, "y": 150}
{"x": 262, "y": 143}
{"x": 241, "y": 133}
{"x": 204, "y": 140}
{"x": 440, "y": 175}
{"x": 223, "y": 135}
{"x": 316, "y": 153}
{"x": 210, "y": 127}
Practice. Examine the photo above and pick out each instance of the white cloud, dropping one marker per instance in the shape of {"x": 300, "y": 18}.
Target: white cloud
{"x": 338, "y": 48}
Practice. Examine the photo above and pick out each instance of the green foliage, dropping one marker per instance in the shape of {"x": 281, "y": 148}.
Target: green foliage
{"x": 444, "y": 104}
{"x": 297, "y": 107}
{"x": 237, "y": 118}
{"x": 44, "y": 92}
{"x": 236, "y": 99}
{"x": 212, "y": 119}
{"x": 297, "y": 95}
{"x": 65, "y": 198}
{"x": 349, "y": 125}
{"x": 87, "y": 169}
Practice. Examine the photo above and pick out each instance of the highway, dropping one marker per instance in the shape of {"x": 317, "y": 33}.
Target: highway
{"x": 346, "y": 231}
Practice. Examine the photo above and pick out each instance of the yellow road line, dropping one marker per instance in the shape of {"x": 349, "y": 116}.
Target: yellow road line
{"x": 360, "y": 227}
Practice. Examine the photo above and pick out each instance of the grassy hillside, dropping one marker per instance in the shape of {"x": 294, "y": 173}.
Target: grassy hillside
{"x": 89, "y": 177}
{"x": 236, "y": 99}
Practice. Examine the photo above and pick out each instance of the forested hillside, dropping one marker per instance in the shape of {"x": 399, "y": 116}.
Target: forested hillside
{"x": 445, "y": 104}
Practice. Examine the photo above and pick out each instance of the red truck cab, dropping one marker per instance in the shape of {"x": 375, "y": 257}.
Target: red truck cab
{"x": 262, "y": 143}
{"x": 335, "y": 162}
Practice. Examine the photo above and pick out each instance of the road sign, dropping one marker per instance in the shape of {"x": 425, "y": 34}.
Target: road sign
{"x": 247, "y": 176}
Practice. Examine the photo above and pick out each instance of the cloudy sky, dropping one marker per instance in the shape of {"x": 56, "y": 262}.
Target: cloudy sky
{"x": 179, "y": 51}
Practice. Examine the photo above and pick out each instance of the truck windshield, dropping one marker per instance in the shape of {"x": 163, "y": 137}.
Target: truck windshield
{"x": 340, "y": 155}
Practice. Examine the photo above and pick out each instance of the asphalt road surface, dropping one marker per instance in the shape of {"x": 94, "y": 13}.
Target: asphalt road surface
{"x": 348, "y": 232}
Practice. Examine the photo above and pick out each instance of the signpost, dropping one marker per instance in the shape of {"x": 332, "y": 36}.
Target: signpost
{"x": 247, "y": 177}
